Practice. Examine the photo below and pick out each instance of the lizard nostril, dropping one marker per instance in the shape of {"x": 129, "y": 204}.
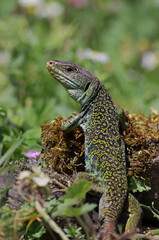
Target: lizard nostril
{"x": 49, "y": 64}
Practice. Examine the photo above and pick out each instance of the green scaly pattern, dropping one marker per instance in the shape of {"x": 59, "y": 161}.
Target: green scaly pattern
{"x": 103, "y": 154}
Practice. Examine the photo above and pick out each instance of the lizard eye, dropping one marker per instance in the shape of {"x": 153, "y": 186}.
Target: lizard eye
{"x": 69, "y": 69}
{"x": 87, "y": 86}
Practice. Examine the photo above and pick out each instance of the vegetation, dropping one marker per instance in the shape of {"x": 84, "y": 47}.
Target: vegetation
{"x": 118, "y": 41}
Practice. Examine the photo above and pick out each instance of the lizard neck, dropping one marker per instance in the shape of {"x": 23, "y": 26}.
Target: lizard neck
{"x": 88, "y": 96}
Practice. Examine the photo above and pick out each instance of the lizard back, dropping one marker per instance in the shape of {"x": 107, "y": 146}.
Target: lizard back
{"x": 103, "y": 154}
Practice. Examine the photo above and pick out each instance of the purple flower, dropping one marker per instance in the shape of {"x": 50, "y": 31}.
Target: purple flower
{"x": 32, "y": 155}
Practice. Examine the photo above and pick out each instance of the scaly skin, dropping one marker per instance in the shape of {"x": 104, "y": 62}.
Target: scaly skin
{"x": 104, "y": 156}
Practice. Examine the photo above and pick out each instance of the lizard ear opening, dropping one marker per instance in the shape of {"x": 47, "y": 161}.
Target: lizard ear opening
{"x": 69, "y": 69}
{"x": 88, "y": 96}
{"x": 87, "y": 86}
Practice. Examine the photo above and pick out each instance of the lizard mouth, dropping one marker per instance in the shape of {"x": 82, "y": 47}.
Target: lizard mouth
{"x": 60, "y": 76}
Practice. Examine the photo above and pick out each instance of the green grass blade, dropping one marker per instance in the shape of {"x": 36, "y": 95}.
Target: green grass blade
{"x": 5, "y": 158}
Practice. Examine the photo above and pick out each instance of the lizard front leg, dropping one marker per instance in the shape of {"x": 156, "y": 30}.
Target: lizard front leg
{"x": 73, "y": 122}
{"x": 122, "y": 118}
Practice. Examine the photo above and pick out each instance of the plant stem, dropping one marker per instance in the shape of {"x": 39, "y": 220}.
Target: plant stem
{"x": 85, "y": 228}
{"x": 50, "y": 221}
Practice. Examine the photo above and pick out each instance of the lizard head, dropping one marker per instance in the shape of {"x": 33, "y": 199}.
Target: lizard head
{"x": 80, "y": 84}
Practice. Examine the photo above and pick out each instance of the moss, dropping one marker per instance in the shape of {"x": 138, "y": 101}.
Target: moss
{"x": 142, "y": 142}
{"x": 65, "y": 152}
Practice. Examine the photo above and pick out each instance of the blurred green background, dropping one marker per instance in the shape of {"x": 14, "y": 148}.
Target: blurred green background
{"x": 117, "y": 40}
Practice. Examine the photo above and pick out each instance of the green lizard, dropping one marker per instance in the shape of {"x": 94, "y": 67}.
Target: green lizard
{"x": 104, "y": 158}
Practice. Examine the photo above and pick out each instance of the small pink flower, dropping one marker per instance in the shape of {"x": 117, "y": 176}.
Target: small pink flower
{"x": 32, "y": 154}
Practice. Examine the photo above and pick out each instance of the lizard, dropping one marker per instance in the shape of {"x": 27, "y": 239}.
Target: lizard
{"x": 104, "y": 149}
